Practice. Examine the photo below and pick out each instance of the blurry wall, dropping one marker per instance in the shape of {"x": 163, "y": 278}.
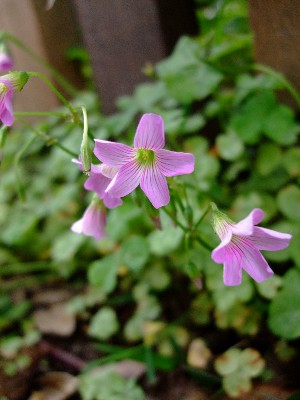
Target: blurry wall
{"x": 49, "y": 33}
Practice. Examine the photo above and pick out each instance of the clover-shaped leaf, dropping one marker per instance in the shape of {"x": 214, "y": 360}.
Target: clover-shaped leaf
{"x": 237, "y": 368}
{"x": 104, "y": 323}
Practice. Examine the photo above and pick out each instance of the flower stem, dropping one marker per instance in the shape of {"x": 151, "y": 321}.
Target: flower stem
{"x": 18, "y": 156}
{"x": 203, "y": 243}
{"x": 280, "y": 78}
{"x": 48, "y": 139}
{"x": 40, "y": 113}
{"x": 57, "y": 75}
{"x": 54, "y": 90}
{"x": 202, "y": 216}
{"x": 175, "y": 220}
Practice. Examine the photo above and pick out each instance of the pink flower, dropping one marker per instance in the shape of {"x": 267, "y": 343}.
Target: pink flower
{"x": 93, "y": 221}
{"x": 6, "y": 62}
{"x": 9, "y": 84}
{"x": 146, "y": 164}
{"x": 241, "y": 244}
{"x": 99, "y": 178}
{"x": 6, "y": 110}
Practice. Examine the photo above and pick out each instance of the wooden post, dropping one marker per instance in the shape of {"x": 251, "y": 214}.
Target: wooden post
{"x": 48, "y": 34}
{"x": 123, "y": 35}
{"x": 276, "y": 28}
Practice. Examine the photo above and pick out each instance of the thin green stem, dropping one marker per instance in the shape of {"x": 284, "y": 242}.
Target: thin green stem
{"x": 184, "y": 228}
{"x": 280, "y": 78}
{"x": 54, "y": 90}
{"x": 202, "y": 216}
{"x": 48, "y": 139}
{"x": 203, "y": 243}
{"x": 40, "y": 114}
{"x": 56, "y": 74}
{"x": 85, "y": 149}
{"x": 17, "y": 159}
{"x": 85, "y": 122}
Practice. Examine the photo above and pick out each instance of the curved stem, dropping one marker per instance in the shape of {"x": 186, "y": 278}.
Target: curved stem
{"x": 54, "y": 90}
{"x": 280, "y": 78}
{"x": 40, "y": 113}
{"x": 202, "y": 216}
{"x": 57, "y": 75}
{"x": 18, "y": 156}
{"x": 48, "y": 139}
{"x": 203, "y": 243}
{"x": 174, "y": 219}
{"x": 85, "y": 150}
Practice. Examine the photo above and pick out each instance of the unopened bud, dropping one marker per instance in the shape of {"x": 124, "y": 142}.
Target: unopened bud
{"x": 16, "y": 80}
{"x": 85, "y": 149}
{"x": 86, "y": 155}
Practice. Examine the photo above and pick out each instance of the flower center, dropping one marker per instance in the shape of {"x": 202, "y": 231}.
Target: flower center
{"x": 3, "y": 89}
{"x": 220, "y": 222}
{"x": 145, "y": 156}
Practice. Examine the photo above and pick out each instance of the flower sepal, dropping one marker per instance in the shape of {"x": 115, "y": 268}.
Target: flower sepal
{"x": 15, "y": 80}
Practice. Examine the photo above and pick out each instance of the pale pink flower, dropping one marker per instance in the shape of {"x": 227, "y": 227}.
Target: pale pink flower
{"x": 93, "y": 222}
{"x": 241, "y": 244}
{"x": 6, "y": 62}
{"x": 99, "y": 178}
{"x": 146, "y": 164}
{"x": 9, "y": 84}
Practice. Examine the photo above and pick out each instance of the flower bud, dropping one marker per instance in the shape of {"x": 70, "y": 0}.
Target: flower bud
{"x": 86, "y": 155}
{"x": 15, "y": 80}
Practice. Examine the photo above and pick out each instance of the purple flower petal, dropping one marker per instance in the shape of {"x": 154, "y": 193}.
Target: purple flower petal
{"x": 6, "y": 62}
{"x": 92, "y": 223}
{"x": 252, "y": 261}
{"x": 126, "y": 180}
{"x": 6, "y": 109}
{"x": 113, "y": 154}
{"x": 111, "y": 202}
{"x": 267, "y": 239}
{"x": 245, "y": 226}
{"x": 98, "y": 183}
{"x": 154, "y": 185}
{"x": 172, "y": 163}
{"x": 232, "y": 273}
{"x": 220, "y": 253}
{"x": 109, "y": 172}
{"x": 150, "y": 133}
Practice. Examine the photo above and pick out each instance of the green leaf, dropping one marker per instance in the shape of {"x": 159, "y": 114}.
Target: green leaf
{"x": 106, "y": 384}
{"x": 248, "y": 121}
{"x": 65, "y": 246}
{"x": 291, "y": 161}
{"x": 279, "y": 125}
{"x": 103, "y": 273}
{"x": 165, "y": 241}
{"x": 252, "y": 363}
{"x": 135, "y": 253}
{"x": 230, "y": 146}
{"x": 269, "y": 157}
{"x": 270, "y": 287}
{"x": 186, "y": 77}
{"x": 244, "y": 204}
{"x": 228, "y": 362}
{"x": 288, "y": 201}
{"x": 284, "y": 312}
{"x": 104, "y": 324}
{"x": 247, "y": 84}
{"x": 237, "y": 384}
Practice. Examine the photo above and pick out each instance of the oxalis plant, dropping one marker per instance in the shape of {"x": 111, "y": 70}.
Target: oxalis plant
{"x": 167, "y": 199}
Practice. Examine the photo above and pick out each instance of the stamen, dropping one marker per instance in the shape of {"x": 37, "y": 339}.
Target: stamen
{"x": 145, "y": 156}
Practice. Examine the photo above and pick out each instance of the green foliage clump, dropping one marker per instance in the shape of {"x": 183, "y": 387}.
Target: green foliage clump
{"x": 219, "y": 105}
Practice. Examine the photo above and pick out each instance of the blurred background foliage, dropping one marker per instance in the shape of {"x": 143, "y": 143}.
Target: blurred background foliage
{"x": 159, "y": 287}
